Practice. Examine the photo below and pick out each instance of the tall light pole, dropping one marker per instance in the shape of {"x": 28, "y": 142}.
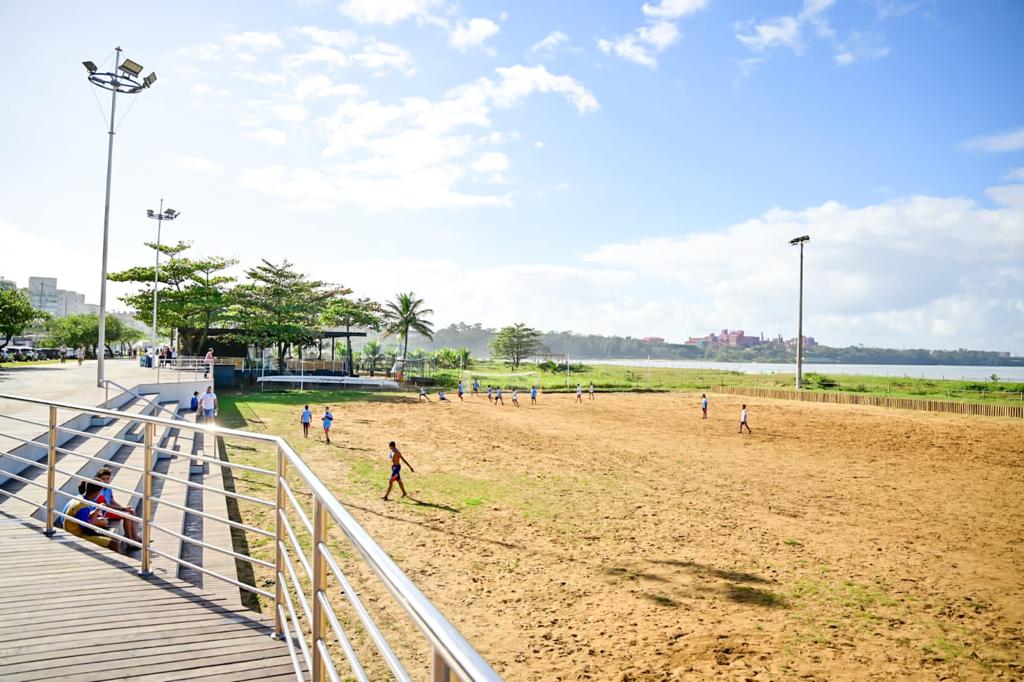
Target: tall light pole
{"x": 800, "y": 316}
{"x": 124, "y": 78}
{"x": 169, "y": 214}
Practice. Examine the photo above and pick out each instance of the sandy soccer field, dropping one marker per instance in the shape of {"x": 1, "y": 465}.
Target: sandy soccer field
{"x": 627, "y": 539}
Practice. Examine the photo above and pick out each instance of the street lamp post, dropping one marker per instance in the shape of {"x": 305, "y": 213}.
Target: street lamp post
{"x": 124, "y": 78}
{"x": 169, "y": 214}
{"x": 800, "y": 315}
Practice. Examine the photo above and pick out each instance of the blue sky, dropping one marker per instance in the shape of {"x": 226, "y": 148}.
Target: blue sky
{"x": 620, "y": 167}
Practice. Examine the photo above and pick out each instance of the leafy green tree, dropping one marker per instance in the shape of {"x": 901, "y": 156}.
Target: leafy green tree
{"x": 348, "y": 313}
{"x": 404, "y": 314}
{"x": 278, "y": 307}
{"x": 516, "y": 343}
{"x": 16, "y": 313}
{"x": 372, "y": 355}
{"x": 84, "y": 330}
{"x": 452, "y": 358}
{"x": 194, "y": 293}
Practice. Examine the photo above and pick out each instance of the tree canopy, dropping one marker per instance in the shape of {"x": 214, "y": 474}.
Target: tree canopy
{"x": 16, "y": 313}
{"x": 516, "y": 343}
{"x": 194, "y": 296}
{"x": 279, "y": 307}
{"x": 407, "y": 313}
{"x": 83, "y": 330}
{"x": 346, "y": 312}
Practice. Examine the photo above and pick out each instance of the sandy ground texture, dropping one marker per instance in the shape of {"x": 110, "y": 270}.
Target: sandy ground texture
{"x": 628, "y": 539}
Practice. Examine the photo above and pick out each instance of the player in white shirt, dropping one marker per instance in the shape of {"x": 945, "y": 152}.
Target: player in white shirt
{"x": 579, "y": 393}
{"x": 743, "y": 419}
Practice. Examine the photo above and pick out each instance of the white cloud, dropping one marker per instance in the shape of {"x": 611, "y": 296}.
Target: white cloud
{"x": 317, "y": 54}
{"x": 291, "y": 113}
{"x": 550, "y": 42}
{"x": 379, "y": 56}
{"x": 204, "y": 52}
{"x": 263, "y": 78}
{"x": 198, "y": 164}
{"x": 63, "y": 259}
{"x": 643, "y": 44}
{"x": 1015, "y": 174}
{"x": 416, "y": 152}
{"x": 271, "y": 135}
{"x": 1011, "y": 141}
{"x": 472, "y": 33}
{"x": 673, "y": 9}
{"x": 789, "y": 32}
{"x": 319, "y": 85}
{"x": 256, "y": 41}
{"x": 861, "y": 46}
{"x": 204, "y": 89}
{"x": 897, "y": 270}
{"x": 387, "y": 12}
{"x": 343, "y": 39}
{"x": 493, "y": 165}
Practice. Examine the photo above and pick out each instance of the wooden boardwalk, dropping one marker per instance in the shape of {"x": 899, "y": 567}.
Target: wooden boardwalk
{"x": 73, "y": 611}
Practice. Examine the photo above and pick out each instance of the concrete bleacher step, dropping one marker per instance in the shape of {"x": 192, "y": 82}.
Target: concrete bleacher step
{"x": 99, "y": 448}
{"x": 167, "y": 516}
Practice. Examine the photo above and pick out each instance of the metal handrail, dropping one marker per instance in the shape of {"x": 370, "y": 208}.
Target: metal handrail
{"x": 451, "y": 653}
{"x": 110, "y": 382}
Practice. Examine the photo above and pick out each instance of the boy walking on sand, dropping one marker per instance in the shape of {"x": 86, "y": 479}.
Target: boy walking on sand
{"x": 306, "y": 418}
{"x": 579, "y": 393}
{"x": 490, "y": 395}
{"x": 423, "y": 394}
{"x": 704, "y": 405}
{"x": 533, "y": 395}
{"x": 460, "y": 391}
{"x": 591, "y": 390}
{"x": 497, "y": 397}
{"x": 476, "y": 387}
{"x": 396, "y": 469}
{"x": 743, "y": 419}
{"x": 515, "y": 397}
{"x": 328, "y": 419}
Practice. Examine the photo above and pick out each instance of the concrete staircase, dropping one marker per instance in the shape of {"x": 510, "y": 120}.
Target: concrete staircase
{"x": 88, "y": 448}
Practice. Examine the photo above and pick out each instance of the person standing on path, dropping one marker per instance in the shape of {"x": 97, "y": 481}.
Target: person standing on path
{"x": 591, "y": 390}
{"x": 579, "y": 393}
{"x": 208, "y": 363}
{"x": 533, "y": 395}
{"x": 743, "y": 419}
{"x": 306, "y": 419}
{"x": 396, "y": 469}
{"x": 80, "y": 354}
{"x": 328, "y": 420}
{"x": 210, "y": 405}
{"x": 704, "y": 405}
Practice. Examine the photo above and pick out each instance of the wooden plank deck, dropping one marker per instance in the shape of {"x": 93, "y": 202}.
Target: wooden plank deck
{"x": 73, "y": 611}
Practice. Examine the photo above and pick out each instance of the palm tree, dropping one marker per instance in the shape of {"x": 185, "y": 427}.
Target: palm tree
{"x": 407, "y": 313}
{"x": 372, "y": 354}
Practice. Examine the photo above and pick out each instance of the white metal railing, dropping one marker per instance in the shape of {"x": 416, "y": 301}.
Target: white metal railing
{"x": 107, "y": 383}
{"x": 306, "y": 622}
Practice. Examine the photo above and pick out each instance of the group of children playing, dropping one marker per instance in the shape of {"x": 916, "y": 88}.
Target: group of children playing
{"x": 495, "y": 396}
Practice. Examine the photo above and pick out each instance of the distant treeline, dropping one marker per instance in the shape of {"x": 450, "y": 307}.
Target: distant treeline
{"x": 593, "y": 346}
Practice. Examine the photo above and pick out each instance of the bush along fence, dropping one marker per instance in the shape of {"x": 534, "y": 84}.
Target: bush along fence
{"x": 952, "y": 407}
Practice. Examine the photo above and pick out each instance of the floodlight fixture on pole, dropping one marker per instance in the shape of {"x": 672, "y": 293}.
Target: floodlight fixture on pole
{"x": 122, "y": 79}
{"x": 800, "y": 315}
{"x": 160, "y": 217}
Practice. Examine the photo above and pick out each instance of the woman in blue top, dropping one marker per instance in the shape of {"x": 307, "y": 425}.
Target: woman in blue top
{"x": 306, "y": 418}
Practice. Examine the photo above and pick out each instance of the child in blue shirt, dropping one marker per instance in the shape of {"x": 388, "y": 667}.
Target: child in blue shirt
{"x": 306, "y": 419}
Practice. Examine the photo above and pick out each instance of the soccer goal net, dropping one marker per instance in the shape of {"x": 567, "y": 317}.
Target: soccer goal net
{"x": 506, "y": 381}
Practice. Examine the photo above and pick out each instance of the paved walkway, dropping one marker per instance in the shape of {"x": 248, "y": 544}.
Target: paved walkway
{"x": 72, "y": 611}
{"x": 67, "y": 383}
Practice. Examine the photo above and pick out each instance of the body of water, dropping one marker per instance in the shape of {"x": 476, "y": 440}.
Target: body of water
{"x": 967, "y": 372}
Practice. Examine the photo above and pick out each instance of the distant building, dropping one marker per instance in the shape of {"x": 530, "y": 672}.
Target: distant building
{"x": 44, "y": 295}
{"x": 725, "y": 339}
{"x": 653, "y": 339}
{"x": 7, "y": 284}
